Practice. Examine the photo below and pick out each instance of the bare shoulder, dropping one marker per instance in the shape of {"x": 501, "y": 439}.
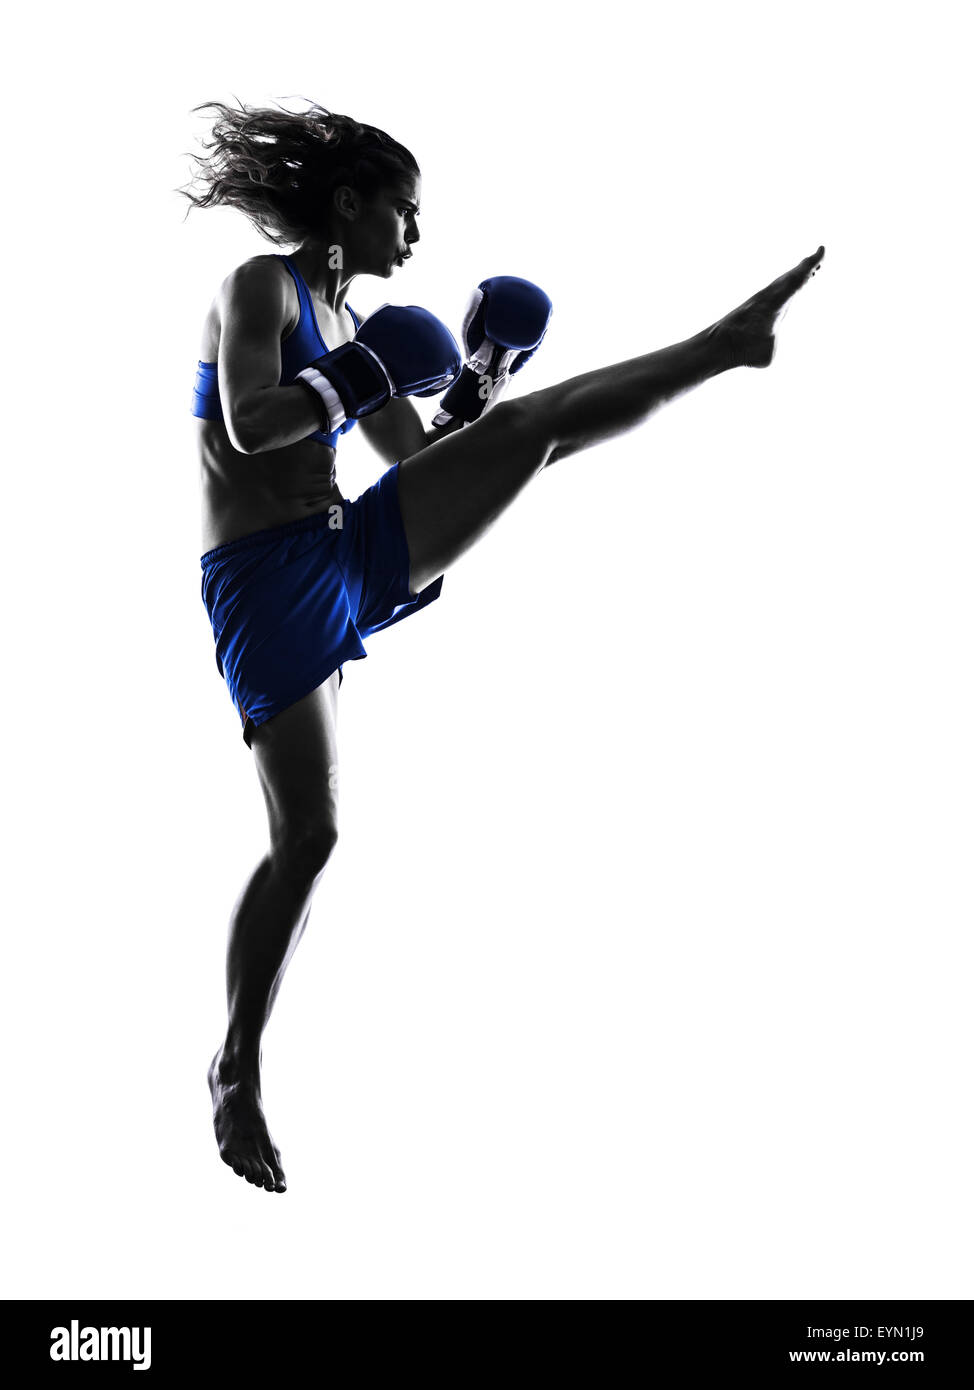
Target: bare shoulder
{"x": 259, "y": 289}
{"x": 261, "y": 278}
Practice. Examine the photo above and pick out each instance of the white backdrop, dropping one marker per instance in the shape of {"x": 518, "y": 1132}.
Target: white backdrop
{"x": 643, "y": 966}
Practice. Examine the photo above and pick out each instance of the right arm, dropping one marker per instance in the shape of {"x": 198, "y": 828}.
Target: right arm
{"x": 260, "y": 414}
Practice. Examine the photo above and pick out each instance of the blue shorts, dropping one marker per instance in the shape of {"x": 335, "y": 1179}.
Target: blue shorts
{"x": 290, "y": 604}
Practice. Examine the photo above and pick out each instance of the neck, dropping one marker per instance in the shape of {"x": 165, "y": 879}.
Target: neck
{"x": 320, "y": 264}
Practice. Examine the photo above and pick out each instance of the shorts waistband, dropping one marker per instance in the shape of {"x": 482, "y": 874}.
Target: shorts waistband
{"x": 270, "y": 533}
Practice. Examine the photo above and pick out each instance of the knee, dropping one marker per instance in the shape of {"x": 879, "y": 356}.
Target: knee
{"x": 513, "y": 416}
{"x": 523, "y": 422}
{"x": 521, "y": 430}
{"x": 304, "y": 851}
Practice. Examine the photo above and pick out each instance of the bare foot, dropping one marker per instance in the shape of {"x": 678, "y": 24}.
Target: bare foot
{"x": 241, "y": 1130}
{"x": 746, "y": 334}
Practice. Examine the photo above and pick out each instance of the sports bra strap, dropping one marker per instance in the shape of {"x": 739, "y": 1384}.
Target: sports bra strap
{"x": 304, "y": 295}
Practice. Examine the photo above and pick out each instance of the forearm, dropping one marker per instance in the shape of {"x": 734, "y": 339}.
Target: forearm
{"x": 440, "y": 432}
{"x": 396, "y": 431}
{"x": 273, "y": 418}
{"x": 277, "y": 416}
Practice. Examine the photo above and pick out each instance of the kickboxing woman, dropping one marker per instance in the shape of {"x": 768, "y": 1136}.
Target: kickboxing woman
{"x": 294, "y": 575}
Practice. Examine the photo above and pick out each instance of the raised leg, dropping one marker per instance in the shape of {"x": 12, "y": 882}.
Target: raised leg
{"x": 451, "y": 492}
{"x": 296, "y": 756}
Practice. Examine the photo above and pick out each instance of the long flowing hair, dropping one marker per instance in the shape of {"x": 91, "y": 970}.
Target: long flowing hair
{"x": 280, "y": 167}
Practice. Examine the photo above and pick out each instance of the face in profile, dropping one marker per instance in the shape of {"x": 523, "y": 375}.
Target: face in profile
{"x": 386, "y": 229}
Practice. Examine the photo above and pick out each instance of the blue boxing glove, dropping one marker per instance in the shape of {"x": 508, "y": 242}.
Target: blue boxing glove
{"x": 400, "y": 350}
{"x": 505, "y": 322}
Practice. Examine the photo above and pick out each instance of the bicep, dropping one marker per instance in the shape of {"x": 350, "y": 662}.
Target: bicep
{"x": 253, "y": 312}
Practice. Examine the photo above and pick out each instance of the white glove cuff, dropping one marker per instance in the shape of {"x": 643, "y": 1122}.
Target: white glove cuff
{"x": 500, "y": 385}
{"x": 334, "y": 410}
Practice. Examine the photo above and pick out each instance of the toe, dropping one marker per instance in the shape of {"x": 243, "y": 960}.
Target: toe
{"x": 270, "y": 1167}
{"x": 273, "y": 1160}
{"x": 811, "y": 264}
{"x": 235, "y": 1162}
{"x": 781, "y": 290}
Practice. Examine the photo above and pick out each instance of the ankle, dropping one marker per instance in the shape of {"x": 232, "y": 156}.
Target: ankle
{"x": 238, "y": 1062}
{"x": 715, "y": 349}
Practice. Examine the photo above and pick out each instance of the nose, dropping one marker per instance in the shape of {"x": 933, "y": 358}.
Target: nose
{"x": 412, "y": 234}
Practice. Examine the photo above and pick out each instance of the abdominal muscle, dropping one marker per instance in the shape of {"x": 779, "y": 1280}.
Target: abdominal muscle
{"x": 243, "y": 493}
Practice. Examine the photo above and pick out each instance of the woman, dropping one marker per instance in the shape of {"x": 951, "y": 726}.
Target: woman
{"x": 295, "y": 575}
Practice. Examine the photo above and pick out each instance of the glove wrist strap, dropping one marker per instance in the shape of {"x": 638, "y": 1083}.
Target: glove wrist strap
{"x": 470, "y": 395}
{"x": 329, "y": 401}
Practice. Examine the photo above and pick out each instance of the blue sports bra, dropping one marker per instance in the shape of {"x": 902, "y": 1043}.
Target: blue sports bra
{"x": 301, "y": 346}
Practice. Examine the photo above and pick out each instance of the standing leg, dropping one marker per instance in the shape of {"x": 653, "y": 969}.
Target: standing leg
{"x": 451, "y": 492}
{"x": 296, "y": 756}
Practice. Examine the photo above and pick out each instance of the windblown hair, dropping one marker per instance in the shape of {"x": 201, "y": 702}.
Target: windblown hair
{"x": 280, "y": 168}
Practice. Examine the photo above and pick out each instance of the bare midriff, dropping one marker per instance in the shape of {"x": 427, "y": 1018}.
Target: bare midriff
{"x": 243, "y": 493}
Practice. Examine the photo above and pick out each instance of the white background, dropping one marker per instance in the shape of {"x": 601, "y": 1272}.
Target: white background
{"x": 643, "y": 967}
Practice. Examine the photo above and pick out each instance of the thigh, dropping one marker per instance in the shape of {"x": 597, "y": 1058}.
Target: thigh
{"x": 451, "y": 492}
{"x": 296, "y": 755}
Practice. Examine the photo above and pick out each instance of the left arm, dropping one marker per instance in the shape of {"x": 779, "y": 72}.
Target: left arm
{"x": 396, "y": 431}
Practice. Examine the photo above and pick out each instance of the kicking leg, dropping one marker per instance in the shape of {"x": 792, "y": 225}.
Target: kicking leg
{"x": 451, "y": 492}
{"x": 296, "y": 757}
